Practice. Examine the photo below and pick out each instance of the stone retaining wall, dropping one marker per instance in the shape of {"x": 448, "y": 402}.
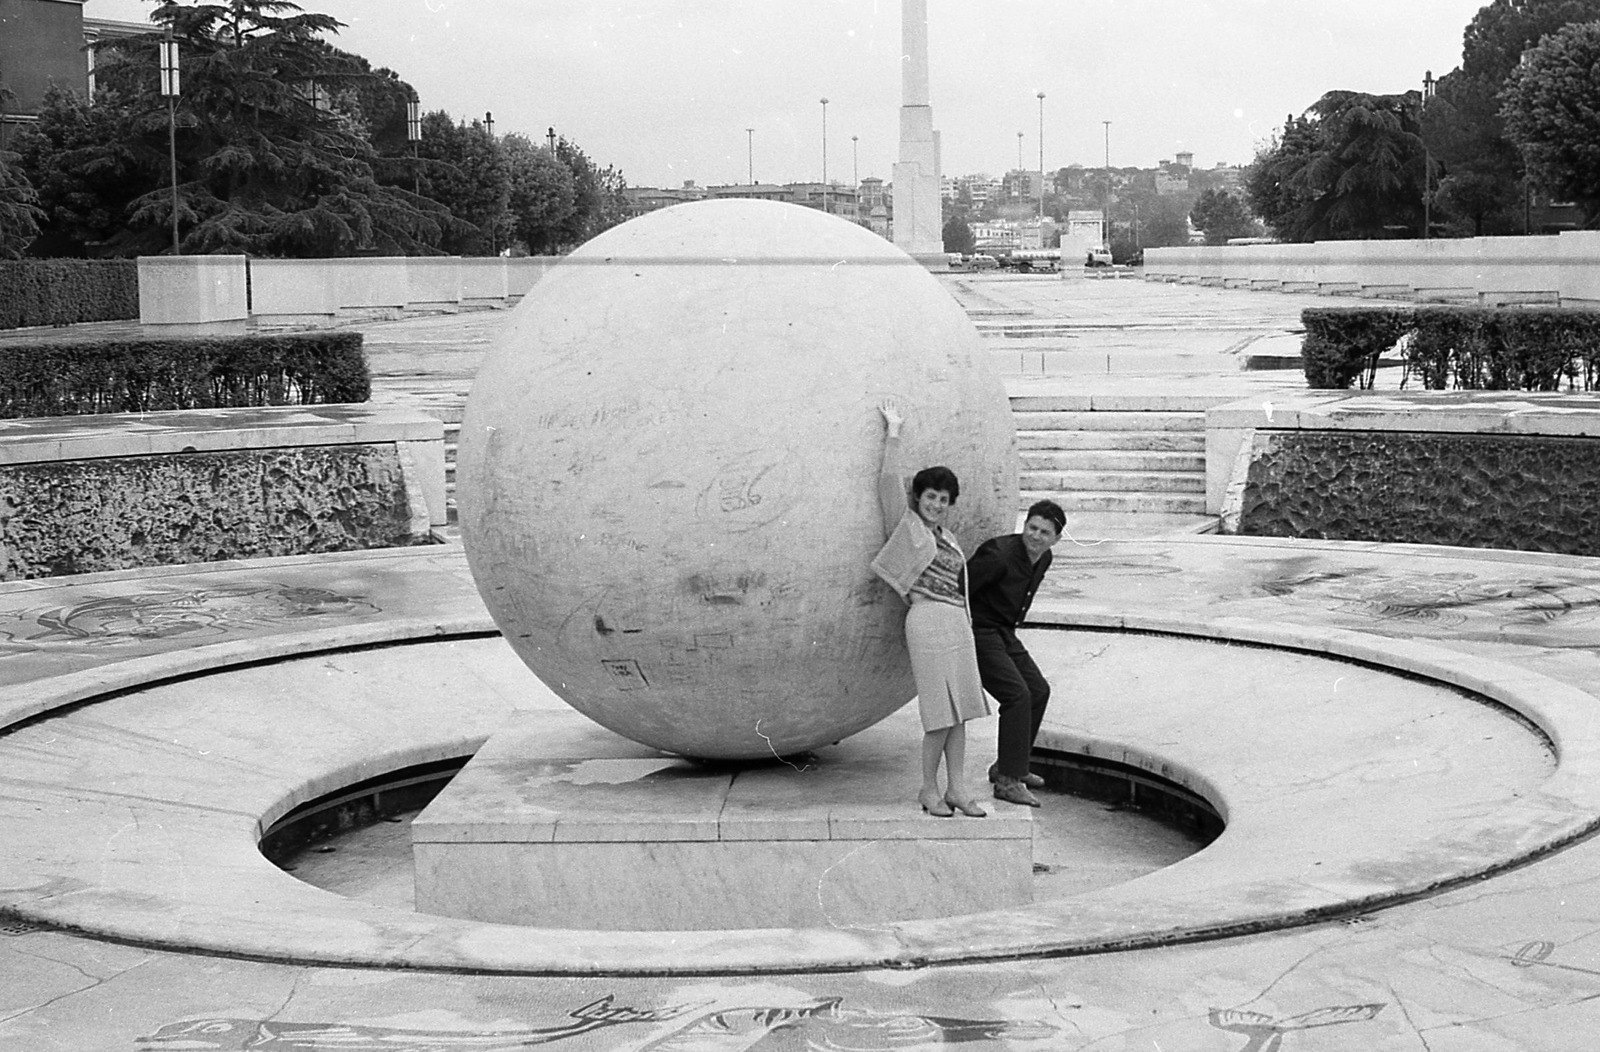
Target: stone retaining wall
{"x": 1470, "y": 469}
{"x": 1556, "y": 268}
{"x": 204, "y": 294}
{"x": 83, "y": 494}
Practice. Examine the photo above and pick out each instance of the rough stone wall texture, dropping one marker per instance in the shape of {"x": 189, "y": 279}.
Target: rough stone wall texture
{"x": 1532, "y": 493}
{"x": 68, "y": 517}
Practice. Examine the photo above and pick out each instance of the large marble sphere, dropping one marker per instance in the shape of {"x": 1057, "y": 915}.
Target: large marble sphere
{"x": 668, "y": 467}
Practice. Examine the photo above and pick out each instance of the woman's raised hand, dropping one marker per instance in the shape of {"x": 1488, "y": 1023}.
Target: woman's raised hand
{"x": 890, "y": 408}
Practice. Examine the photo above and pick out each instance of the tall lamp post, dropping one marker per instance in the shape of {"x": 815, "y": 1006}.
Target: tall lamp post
{"x": 494, "y": 220}
{"x": 1041, "y": 169}
{"x": 855, "y": 172}
{"x": 1019, "y": 151}
{"x": 824, "y": 153}
{"x": 1427, "y": 157}
{"x": 1105, "y": 194}
{"x": 750, "y": 155}
{"x": 414, "y": 136}
{"x": 169, "y": 88}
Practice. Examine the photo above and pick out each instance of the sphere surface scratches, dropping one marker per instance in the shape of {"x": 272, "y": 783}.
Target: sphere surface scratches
{"x": 668, "y": 473}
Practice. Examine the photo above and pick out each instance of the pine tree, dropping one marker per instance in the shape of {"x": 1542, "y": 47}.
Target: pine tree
{"x": 19, "y": 211}
{"x": 268, "y": 163}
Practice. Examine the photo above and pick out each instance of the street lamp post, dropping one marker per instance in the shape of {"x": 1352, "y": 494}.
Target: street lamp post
{"x": 494, "y": 220}
{"x": 1427, "y": 157}
{"x": 1041, "y": 169}
{"x": 824, "y": 153}
{"x": 1019, "y": 151}
{"x": 750, "y": 156}
{"x": 855, "y": 172}
{"x": 1105, "y": 194}
{"x": 414, "y": 135}
{"x": 169, "y": 88}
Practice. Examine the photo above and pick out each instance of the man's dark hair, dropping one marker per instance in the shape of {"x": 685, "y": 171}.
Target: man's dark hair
{"x": 940, "y": 477}
{"x": 1048, "y": 509}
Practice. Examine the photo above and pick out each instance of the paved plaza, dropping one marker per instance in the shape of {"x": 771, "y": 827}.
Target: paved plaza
{"x": 1404, "y": 742}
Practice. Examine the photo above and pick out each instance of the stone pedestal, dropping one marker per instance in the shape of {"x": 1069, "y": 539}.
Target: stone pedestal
{"x": 192, "y": 295}
{"x": 559, "y": 823}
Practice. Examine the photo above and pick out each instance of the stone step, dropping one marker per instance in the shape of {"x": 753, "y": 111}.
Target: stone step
{"x": 1121, "y": 502}
{"x": 1118, "y": 402}
{"x": 1110, "y": 421}
{"x": 1152, "y": 482}
{"x": 1023, "y": 329}
{"x": 1173, "y": 441}
{"x": 1095, "y": 459}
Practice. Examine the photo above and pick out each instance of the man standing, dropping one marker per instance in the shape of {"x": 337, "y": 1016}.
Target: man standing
{"x": 1002, "y": 576}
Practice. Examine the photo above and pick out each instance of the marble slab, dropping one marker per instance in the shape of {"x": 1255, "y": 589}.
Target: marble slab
{"x": 40, "y": 439}
{"x": 559, "y": 823}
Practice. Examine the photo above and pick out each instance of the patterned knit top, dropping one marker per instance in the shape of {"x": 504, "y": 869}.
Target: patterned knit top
{"x": 941, "y": 581}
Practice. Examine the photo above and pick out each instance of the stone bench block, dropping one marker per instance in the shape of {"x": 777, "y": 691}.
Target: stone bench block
{"x": 557, "y": 822}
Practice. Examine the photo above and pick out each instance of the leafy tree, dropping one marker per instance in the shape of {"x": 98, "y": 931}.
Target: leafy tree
{"x": 268, "y": 163}
{"x": 958, "y": 236}
{"x": 19, "y": 211}
{"x": 1552, "y": 112}
{"x": 1164, "y": 221}
{"x": 600, "y": 203}
{"x": 1477, "y": 174}
{"x": 85, "y": 169}
{"x": 1272, "y": 182}
{"x": 1501, "y": 31}
{"x": 1358, "y": 174}
{"x": 1482, "y": 170}
{"x": 543, "y": 195}
{"x": 1221, "y": 215}
{"x": 463, "y": 170}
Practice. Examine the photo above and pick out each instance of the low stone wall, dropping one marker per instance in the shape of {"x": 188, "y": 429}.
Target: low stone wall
{"x": 83, "y": 494}
{"x": 1556, "y": 268}
{"x": 1470, "y": 469}
{"x": 195, "y": 295}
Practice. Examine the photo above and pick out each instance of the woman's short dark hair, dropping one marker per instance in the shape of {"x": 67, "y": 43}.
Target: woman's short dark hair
{"x": 939, "y": 477}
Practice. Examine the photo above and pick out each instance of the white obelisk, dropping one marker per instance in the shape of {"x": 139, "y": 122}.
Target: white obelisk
{"x": 918, "y": 225}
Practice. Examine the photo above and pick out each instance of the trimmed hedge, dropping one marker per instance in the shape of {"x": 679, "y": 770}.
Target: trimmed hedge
{"x": 148, "y": 375}
{"x": 1342, "y": 344}
{"x": 67, "y": 291}
{"x": 1470, "y": 348}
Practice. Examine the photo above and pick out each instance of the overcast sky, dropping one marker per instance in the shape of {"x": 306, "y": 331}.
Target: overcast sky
{"x": 664, "y": 89}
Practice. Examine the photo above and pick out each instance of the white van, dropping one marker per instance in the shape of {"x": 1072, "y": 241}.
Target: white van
{"x": 1099, "y": 256}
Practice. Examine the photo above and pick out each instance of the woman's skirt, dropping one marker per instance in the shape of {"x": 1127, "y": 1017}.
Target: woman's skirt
{"x": 945, "y": 664}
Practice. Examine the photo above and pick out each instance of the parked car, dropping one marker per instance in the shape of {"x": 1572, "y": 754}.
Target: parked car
{"x": 956, "y": 261}
{"x": 983, "y": 262}
{"x": 1098, "y": 257}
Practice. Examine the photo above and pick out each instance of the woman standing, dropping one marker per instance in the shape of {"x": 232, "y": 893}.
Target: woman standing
{"x": 923, "y": 563}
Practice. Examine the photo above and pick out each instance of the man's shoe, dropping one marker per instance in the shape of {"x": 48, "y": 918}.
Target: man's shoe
{"x": 1031, "y": 780}
{"x": 1012, "y": 791}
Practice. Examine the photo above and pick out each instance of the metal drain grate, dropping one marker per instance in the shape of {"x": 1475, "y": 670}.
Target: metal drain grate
{"x": 17, "y": 927}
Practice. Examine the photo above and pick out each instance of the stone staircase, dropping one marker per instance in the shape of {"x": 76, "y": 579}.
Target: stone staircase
{"x": 1125, "y": 454}
{"x": 452, "y": 441}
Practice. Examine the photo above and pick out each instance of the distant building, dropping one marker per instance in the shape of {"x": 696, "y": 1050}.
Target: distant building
{"x": 642, "y": 199}
{"x": 754, "y": 191}
{"x": 997, "y": 234}
{"x": 1020, "y": 184}
{"x": 45, "y": 44}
